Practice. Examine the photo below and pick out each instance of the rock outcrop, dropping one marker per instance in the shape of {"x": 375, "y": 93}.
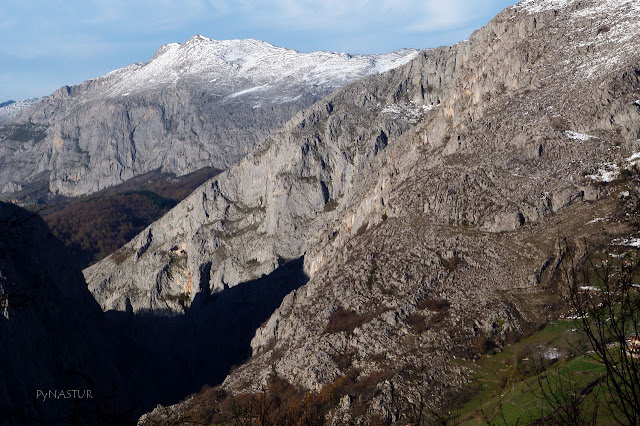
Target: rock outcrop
{"x": 263, "y": 211}
{"x": 486, "y": 122}
{"x": 196, "y": 104}
{"x": 427, "y": 202}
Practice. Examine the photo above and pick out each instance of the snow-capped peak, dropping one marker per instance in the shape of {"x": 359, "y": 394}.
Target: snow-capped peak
{"x": 11, "y": 108}
{"x": 243, "y": 64}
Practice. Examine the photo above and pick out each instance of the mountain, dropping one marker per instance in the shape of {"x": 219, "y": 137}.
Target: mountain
{"x": 312, "y": 185}
{"x": 10, "y": 108}
{"x": 431, "y": 207}
{"x": 203, "y": 103}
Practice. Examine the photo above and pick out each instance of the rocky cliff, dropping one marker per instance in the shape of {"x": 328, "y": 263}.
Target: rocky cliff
{"x": 486, "y": 120}
{"x": 428, "y": 203}
{"x": 466, "y": 208}
{"x": 201, "y": 103}
{"x": 263, "y": 211}
{"x": 10, "y": 108}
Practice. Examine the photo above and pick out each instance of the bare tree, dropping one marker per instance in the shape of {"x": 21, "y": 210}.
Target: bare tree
{"x": 605, "y": 297}
{"x": 563, "y": 402}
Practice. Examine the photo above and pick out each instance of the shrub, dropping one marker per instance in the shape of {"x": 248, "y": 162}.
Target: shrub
{"x": 346, "y": 320}
{"x": 482, "y": 344}
{"x": 417, "y": 322}
{"x": 362, "y": 229}
{"x": 438, "y": 305}
{"x": 452, "y": 263}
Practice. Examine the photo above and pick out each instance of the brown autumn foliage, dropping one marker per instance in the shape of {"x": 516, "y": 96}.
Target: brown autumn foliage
{"x": 482, "y": 343}
{"x": 346, "y": 320}
{"x": 417, "y": 322}
{"x": 281, "y": 403}
{"x": 96, "y": 226}
{"x": 437, "y": 305}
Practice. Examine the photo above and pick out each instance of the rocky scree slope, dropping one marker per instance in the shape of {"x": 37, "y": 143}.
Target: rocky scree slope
{"x": 325, "y": 164}
{"x": 535, "y": 124}
{"x": 537, "y": 115}
{"x": 201, "y": 103}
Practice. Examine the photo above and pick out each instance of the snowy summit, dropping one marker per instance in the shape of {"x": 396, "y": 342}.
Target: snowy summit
{"x": 239, "y": 67}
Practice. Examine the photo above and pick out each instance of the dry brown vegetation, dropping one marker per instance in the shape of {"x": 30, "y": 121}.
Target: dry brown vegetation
{"x": 281, "y": 404}
{"x": 96, "y": 226}
{"x": 346, "y": 320}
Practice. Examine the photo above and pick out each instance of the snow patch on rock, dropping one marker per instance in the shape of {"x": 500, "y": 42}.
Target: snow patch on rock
{"x": 615, "y": 25}
{"x": 408, "y": 111}
{"x": 578, "y": 136}
{"x": 607, "y": 173}
{"x": 629, "y": 242}
{"x": 8, "y": 111}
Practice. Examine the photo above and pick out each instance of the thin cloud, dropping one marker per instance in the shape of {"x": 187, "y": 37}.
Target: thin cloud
{"x": 56, "y": 48}
{"x": 443, "y": 16}
{"x": 340, "y": 15}
{"x": 5, "y": 22}
{"x": 146, "y": 16}
{"x": 70, "y": 40}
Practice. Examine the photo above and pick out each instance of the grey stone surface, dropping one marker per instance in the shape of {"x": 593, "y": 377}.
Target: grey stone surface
{"x": 10, "y": 108}
{"x": 263, "y": 211}
{"x": 452, "y": 177}
{"x": 476, "y": 111}
{"x": 196, "y": 104}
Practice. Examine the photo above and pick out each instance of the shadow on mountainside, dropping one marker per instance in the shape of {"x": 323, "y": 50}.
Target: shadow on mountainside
{"x": 55, "y": 339}
{"x": 177, "y": 355}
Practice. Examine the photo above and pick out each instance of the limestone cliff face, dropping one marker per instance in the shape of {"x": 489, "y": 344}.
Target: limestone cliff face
{"x": 263, "y": 211}
{"x": 489, "y": 117}
{"x": 201, "y": 103}
{"x": 427, "y": 202}
{"x": 539, "y": 118}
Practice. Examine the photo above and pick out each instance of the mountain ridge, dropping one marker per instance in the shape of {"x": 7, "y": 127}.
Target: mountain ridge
{"x": 203, "y": 55}
{"x": 196, "y": 104}
{"x": 423, "y": 243}
{"x": 10, "y": 108}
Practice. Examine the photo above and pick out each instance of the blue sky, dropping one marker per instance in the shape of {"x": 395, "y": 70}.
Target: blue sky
{"x": 45, "y": 44}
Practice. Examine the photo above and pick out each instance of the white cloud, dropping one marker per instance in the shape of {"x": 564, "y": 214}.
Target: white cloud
{"x": 452, "y": 14}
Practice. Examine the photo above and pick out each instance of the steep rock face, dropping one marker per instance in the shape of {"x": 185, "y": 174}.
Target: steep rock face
{"x": 196, "y": 104}
{"x": 540, "y": 119}
{"x": 52, "y": 334}
{"x": 263, "y": 211}
{"x": 534, "y": 117}
{"x": 484, "y": 125}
